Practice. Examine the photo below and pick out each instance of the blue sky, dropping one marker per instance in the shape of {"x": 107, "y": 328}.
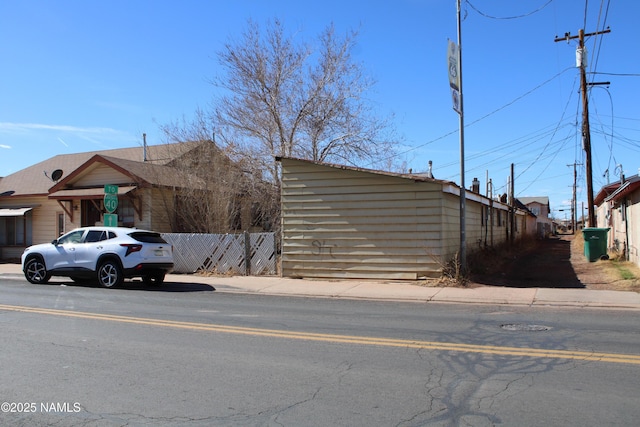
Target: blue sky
{"x": 87, "y": 75}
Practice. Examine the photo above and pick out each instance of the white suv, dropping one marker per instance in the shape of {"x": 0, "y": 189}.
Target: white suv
{"x": 105, "y": 254}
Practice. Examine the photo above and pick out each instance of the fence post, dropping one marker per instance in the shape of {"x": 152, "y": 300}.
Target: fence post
{"x": 247, "y": 254}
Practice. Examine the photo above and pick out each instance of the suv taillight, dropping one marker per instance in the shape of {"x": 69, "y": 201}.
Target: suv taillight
{"x": 131, "y": 248}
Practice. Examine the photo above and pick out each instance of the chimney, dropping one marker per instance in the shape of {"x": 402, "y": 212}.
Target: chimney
{"x": 475, "y": 186}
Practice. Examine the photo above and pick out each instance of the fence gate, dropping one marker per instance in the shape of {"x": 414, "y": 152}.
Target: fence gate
{"x": 245, "y": 254}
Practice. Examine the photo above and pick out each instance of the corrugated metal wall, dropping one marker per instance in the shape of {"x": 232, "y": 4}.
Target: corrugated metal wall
{"x": 344, "y": 223}
{"x": 341, "y": 222}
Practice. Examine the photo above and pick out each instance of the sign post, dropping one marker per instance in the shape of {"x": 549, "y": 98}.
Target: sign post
{"x": 110, "y": 205}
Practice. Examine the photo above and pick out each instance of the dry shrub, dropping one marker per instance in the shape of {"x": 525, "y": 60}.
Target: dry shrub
{"x": 490, "y": 260}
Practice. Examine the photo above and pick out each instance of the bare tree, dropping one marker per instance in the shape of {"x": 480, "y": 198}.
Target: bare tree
{"x": 220, "y": 193}
{"x": 279, "y": 97}
{"x": 282, "y": 97}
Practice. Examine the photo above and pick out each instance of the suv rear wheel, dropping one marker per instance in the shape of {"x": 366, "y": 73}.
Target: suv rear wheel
{"x": 110, "y": 274}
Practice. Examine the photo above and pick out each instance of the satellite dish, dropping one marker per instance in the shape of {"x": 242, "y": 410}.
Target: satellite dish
{"x": 7, "y": 193}
{"x": 56, "y": 175}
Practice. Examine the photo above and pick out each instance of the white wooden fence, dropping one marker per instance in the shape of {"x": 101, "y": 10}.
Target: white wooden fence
{"x": 244, "y": 254}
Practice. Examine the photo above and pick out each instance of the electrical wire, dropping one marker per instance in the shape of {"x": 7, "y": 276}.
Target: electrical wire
{"x": 600, "y": 39}
{"x": 508, "y": 17}
{"x": 543, "y": 150}
{"x": 609, "y": 135}
{"x": 513, "y": 101}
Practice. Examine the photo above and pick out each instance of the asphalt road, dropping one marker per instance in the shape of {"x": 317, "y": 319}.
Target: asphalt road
{"x": 87, "y": 356}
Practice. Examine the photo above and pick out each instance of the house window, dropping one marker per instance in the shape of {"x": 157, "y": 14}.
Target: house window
{"x": 60, "y": 223}
{"x": 15, "y": 230}
{"x": 126, "y": 212}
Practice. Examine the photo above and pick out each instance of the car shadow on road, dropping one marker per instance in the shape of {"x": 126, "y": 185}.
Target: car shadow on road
{"x": 545, "y": 264}
{"x": 138, "y": 285}
{"x": 168, "y": 287}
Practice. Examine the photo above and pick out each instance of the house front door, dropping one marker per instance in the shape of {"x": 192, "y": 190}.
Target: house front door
{"x": 90, "y": 214}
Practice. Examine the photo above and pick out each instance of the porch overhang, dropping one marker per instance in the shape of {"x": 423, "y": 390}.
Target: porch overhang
{"x": 14, "y": 211}
{"x": 87, "y": 193}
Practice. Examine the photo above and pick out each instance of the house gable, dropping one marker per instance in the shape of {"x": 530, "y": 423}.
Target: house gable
{"x": 95, "y": 172}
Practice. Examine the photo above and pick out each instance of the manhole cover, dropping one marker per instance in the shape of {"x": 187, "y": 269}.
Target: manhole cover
{"x": 524, "y": 327}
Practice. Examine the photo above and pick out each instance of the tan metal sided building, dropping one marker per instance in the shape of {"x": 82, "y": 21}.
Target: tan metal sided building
{"x": 346, "y": 222}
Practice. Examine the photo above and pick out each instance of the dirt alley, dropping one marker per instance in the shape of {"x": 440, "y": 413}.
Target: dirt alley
{"x": 558, "y": 262}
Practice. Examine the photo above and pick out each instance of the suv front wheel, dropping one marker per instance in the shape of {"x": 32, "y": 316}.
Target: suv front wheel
{"x": 36, "y": 272}
{"x": 110, "y": 274}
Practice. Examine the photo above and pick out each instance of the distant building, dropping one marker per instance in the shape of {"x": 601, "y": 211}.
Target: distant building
{"x": 539, "y": 206}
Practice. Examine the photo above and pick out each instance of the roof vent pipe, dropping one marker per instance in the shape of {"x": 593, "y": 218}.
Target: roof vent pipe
{"x": 430, "y": 171}
{"x": 144, "y": 147}
{"x": 621, "y": 173}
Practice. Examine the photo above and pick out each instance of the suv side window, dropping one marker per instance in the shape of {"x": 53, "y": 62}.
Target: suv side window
{"x": 95, "y": 236}
{"x": 73, "y": 237}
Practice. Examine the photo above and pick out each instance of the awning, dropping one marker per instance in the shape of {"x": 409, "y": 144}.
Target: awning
{"x": 14, "y": 211}
{"x": 87, "y": 193}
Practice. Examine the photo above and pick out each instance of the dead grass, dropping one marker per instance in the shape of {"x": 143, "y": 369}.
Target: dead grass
{"x": 485, "y": 261}
{"x": 490, "y": 261}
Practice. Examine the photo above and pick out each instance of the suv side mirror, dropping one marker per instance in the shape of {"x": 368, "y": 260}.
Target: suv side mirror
{"x": 54, "y": 242}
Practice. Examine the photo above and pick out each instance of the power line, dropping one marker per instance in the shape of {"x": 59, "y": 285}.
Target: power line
{"x": 508, "y": 17}
{"x": 485, "y": 116}
{"x": 616, "y": 74}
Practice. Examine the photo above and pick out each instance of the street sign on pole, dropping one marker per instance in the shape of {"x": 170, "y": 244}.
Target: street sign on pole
{"x": 110, "y": 220}
{"x": 110, "y": 202}
{"x": 110, "y": 189}
{"x": 110, "y": 205}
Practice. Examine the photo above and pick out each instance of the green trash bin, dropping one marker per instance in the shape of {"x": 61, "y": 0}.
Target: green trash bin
{"x": 595, "y": 243}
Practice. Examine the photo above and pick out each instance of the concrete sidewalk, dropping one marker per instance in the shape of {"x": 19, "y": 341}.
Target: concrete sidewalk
{"x": 392, "y": 291}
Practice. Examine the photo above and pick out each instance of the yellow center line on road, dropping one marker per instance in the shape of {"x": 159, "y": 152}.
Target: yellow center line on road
{"x": 347, "y": 339}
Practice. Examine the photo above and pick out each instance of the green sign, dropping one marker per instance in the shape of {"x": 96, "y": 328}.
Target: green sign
{"x": 110, "y": 220}
{"x": 110, "y": 189}
{"x": 111, "y": 202}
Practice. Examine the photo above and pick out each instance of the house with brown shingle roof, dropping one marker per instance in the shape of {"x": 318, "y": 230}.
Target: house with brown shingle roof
{"x": 41, "y": 202}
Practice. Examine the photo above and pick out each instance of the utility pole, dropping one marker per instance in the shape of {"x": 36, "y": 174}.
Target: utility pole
{"x": 455, "y": 82}
{"x": 512, "y": 205}
{"x": 573, "y": 199}
{"x": 586, "y": 132}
